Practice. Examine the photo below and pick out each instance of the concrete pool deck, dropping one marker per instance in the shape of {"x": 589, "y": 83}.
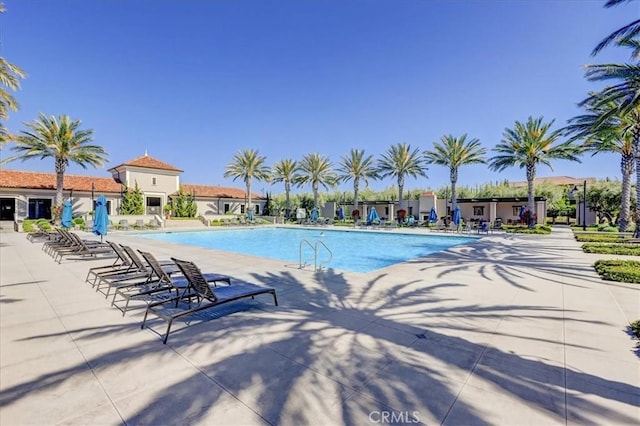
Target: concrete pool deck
{"x": 506, "y": 330}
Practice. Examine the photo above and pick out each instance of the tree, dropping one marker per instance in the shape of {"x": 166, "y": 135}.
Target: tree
{"x": 184, "y": 205}
{"x": 132, "y": 201}
{"x": 625, "y": 90}
{"x": 10, "y": 76}
{"x": 356, "y": 166}
{"x": 528, "y": 144}
{"x": 60, "y": 139}
{"x": 316, "y": 170}
{"x": 625, "y": 34}
{"x": 455, "y": 152}
{"x": 400, "y": 161}
{"x": 247, "y": 165}
{"x": 285, "y": 171}
{"x": 614, "y": 133}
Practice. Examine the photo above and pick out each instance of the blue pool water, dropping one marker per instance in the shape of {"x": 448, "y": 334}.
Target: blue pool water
{"x": 352, "y": 251}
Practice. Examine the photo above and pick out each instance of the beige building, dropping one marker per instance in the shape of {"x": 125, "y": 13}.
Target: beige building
{"x": 31, "y": 195}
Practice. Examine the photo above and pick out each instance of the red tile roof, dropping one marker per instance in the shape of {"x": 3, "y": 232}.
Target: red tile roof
{"x": 36, "y": 180}
{"x": 149, "y": 163}
{"x": 216, "y": 191}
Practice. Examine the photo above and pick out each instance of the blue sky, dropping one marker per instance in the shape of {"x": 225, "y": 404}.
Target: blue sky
{"x": 192, "y": 82}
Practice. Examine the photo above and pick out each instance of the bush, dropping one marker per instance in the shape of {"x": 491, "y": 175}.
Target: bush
{"x": 603, "y": 238}
{"x": 29, "y": 225}
{"x": 621, "y": 249}
{"x": 635, "y": 328}
{"x": 523, "y": 229}
{"x": 626, "y": 271}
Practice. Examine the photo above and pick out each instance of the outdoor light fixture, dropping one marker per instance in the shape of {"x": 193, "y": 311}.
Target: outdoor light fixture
{"x": 584, "y": 202}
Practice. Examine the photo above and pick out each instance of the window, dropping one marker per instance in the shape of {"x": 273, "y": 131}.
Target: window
{"x": 226, "y": 208}
{"x": 516, "y": 211}
{"x": 154, "y": 181}
{"x": 108, "y": 206}
{"x": 242, "y": 209}
{"x": 257, "y": 208}
{"x": 40, "y": 208}
{"x": 410, "y": 210}
{"x": 478, "y": 210}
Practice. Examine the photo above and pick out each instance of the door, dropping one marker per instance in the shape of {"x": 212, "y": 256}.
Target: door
{"x": 7, "y": 208}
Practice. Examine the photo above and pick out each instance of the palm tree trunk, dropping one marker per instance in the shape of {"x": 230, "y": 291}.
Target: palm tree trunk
{"x": 356, "y": 185}
{"x": 636, "y": 150}
{"x": 287, "y": 189}
{"x": 248, "y": 196}
{"x": 453, "y": 175}
{"x": 626, "y": 167}
{"x": 400, "y": 190}
{"x": 531, "y": 175}
{"x": 315, "y": 194}
{"x": 60, "y": 168}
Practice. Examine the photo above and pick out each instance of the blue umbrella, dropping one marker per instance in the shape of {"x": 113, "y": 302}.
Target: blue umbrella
{"x": 67, "y": 214}
{"x": 523, "y": 209}
{"x": 456, "y": 216}
{"x": 250, "y": 215}
{"x": 101, "y": 217}
{"x": 433, "y": 216}
{"x": 340, "y": 213}
{"x": 373, "y": 215}
{"x": 314, "y": 215}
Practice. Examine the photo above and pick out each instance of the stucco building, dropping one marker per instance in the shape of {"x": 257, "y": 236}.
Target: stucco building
{"x": 31, "y": 194}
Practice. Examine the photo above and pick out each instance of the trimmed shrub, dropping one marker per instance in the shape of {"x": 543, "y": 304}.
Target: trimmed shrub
{"x": 29, "y": 225}
{"x": 635, "y": 328}
{"x": 619, "y": 248}
{"x": 626, "y": 271}
{"x": 601, "y": 238}
{"x": 523, "y": 229}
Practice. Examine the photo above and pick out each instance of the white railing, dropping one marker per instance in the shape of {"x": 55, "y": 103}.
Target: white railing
{"x": 314, "y": 248}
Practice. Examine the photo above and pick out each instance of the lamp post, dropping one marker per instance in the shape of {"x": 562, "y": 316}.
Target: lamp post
{"x": 584, "y": 203}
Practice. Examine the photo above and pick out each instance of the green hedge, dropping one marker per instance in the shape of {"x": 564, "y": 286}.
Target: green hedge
{"x": 626, "y": 271}
{"x": 621, "y": 249}
{"x": 522, "y": 229}
{"x": 601, "y": 238}
{"x": 635, "y": 328}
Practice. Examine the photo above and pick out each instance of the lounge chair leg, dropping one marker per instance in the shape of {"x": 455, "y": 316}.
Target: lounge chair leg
{"x": 145, "y": 318}
{"x": 275, "y": 298}
{"x": 166, "y": 336}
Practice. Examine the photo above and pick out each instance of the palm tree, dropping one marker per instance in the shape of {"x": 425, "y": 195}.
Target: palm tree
{"x": 285, "y": 171}
{"x": 400, "y": 161}
{"x": 247, "y": 165}
{"x": 60, "y": 139}
{"x": 358, "y": 167}
{"x": 613, "y": 135}
{"x": 10, "y": 76}
{"x": 625, "y": 34}
{"x": 529, "y": 144}
{"x": 315, "y": 169}
{"x": 455, "y": 152}
{"x": 625, "y": 92}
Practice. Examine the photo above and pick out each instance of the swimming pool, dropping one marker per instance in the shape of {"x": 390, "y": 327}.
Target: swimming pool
{"x": 352, "y": 250}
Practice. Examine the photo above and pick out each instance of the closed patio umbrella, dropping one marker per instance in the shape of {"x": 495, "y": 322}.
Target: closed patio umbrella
{"x": 340, "y": 213}
{"x": 314, "y": 215}
{"x": 373, "y": 215}
{"x": 67, "y": 214}
{"x": 456, "y": 216}
{"x": 101, "y": 217}
{"x": 433, "y": 216}
{"x": 523, "y": 209}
